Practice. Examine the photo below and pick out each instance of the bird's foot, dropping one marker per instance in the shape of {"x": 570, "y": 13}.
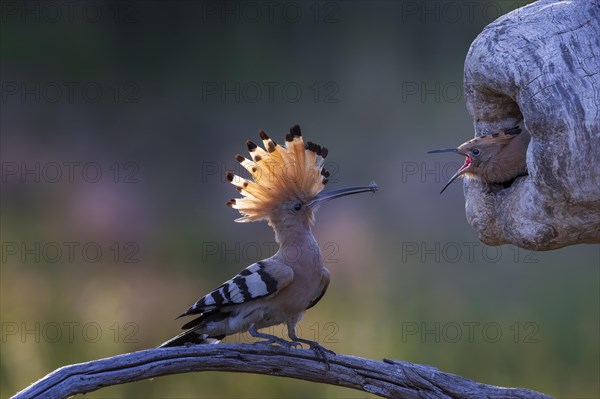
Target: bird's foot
{"x": 319, "y": 349}
{"x": 272, "y": 339}
{"x": 281, "y": 342}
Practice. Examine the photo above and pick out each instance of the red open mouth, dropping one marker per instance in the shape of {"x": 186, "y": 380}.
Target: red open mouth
{"x": 458, "y": 172}
{"x": 465, "y": 165}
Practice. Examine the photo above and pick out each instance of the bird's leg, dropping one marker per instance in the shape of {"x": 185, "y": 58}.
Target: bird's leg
{"x": 320, "y": 350}
{"x": 271, "y": 339}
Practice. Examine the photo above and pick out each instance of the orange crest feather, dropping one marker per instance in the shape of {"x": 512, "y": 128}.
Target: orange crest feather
{"x": 278, "y": 173}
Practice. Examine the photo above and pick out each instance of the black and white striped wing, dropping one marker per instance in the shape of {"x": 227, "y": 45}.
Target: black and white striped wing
{"x": 258, "y": 280}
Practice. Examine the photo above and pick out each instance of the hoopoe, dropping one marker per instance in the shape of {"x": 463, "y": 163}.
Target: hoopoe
{"x": 493, "y": 158}
{"x": 285, "y": 190}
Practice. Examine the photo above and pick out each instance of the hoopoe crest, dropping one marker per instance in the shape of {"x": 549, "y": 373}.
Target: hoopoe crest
{"x": 279, "y": 174}
{"x": 493, "y": 158}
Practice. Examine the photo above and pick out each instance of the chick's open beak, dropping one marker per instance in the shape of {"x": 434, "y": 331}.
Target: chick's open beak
{"x": 459, "y": 172}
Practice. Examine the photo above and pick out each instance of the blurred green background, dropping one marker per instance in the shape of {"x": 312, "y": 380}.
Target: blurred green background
{"x": 119, "y": 121}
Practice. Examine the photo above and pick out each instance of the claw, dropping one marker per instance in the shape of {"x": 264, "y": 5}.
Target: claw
{"x": 295, "y": 342}
{"x": 320, "y": 350}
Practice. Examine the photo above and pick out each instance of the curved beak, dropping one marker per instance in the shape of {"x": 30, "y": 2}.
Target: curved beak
{"x": 324, "y": 197}
{"x": 459, "y": 172}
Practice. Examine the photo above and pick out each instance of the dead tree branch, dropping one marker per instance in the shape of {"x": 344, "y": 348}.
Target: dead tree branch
{"x": 390, "y": 378}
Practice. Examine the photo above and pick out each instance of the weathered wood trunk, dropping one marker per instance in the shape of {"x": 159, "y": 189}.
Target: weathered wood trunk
{"x": 390, "y": 378}
{"x": 541, "y": 63}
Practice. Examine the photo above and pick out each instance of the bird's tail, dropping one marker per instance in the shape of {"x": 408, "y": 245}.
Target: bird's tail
{"x": 190, "y": 337}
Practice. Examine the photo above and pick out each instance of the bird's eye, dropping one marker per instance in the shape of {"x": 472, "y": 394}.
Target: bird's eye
{"x": 297, "y": 206}
{"x": 475, "y": 151}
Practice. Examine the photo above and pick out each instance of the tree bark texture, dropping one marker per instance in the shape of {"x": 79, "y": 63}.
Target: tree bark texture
{"x": 390, "y": 378}
{"x": 540, "y": 63}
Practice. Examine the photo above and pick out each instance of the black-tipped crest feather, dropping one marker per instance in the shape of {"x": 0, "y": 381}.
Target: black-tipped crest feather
{"x": 279, "y": 173}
